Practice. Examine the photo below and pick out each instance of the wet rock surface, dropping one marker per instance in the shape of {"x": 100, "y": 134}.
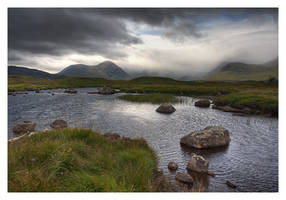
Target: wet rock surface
{"x": 205, "y": 103}
{"x": 184, "y": 178}
{"x": 198, "y": 164}
{"x": 172, "y": 166}
{"x": 166, "y": 108}
{"x": 24, "y": 127}
{"x": 211, "y": 136}
{"x": 57, "y": 124}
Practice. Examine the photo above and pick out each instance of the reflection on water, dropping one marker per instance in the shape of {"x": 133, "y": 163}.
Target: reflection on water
{"x": 250, "y": 161}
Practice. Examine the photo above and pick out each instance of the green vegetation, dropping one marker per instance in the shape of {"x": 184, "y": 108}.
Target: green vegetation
{"x": 242, "y": 72}
{"x": 266, "y": 102}
{"x": 80, "y": 160}
{"x": 151, "y": 98}
{"x": 236, "y": 93}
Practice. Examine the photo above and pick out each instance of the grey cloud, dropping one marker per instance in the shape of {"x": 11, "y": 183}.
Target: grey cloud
{"x": 180, "y": 32}
{"x": 59, "y": 31}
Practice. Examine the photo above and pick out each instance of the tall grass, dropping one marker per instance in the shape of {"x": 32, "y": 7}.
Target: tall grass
{"x": 79, "y": 160}
{"x": 151, "y": 98}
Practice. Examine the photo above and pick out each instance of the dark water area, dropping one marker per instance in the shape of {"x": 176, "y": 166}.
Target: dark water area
{"x": 250, "y": 161}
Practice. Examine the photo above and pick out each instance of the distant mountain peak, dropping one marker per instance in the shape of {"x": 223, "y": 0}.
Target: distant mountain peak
{"x": 106, "y": 69}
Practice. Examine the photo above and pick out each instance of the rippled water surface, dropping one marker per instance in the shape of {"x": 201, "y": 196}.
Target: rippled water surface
{"x": 250, "y": 161}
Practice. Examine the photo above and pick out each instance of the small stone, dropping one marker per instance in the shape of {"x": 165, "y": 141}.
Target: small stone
{"x": 34, "y": 159}
{"x": 172, "y": 166}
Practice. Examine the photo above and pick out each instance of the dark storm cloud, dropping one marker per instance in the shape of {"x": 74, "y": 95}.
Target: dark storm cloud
{"x": 103, "y": 31}
{"x": 58, "y": 31}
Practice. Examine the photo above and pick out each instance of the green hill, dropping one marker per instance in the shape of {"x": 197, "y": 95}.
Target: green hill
{"x": 107, "y": 70}
{"x": 242, "y": 72}
{"x": 24, "y": 71}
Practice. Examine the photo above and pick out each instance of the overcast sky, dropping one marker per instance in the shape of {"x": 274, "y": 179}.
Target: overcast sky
{"x": 185, "y": 41}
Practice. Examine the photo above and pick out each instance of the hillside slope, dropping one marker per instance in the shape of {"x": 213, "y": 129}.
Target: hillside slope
{"x": 24, "y": 71}
{"x": 241, "y": 72}
{"x": 107, "y": 70}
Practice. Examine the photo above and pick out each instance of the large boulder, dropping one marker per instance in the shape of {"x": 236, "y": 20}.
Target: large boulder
{"x": 59, "y": 124}
{"x": 24, "y": 127}
{"x": 184, "y": 178}
{"x": 203, "y": 103}
{"x": 211, "y": 136}
{"x": 106, "y": 91}
{"x": 166, "y": 108}
{"x": 172, "y": 166}
{"x": 198, "y": 164}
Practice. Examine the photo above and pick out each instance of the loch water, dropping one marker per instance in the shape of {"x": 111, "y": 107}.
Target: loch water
{"x": 250, "y": 161}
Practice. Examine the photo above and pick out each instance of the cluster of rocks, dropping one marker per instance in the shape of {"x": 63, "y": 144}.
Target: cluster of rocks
{"x": 106, "y": 91}
{"x": 28, "y": 127}
{"x": 210, "y": 137}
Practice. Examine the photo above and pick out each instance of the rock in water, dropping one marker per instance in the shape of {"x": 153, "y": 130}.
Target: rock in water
{"x": 172, "y": 166}
{"x": 198, "y": 164}
{"x": 211, "y": 136}
{"x": 106, "y": 91}
{"x": 203, "y": 103}
{"x": 230, "y": 184}
{"x": 37, "y": 90}
{"x": 59, "y": 124}
{"x": 24, "y": 127}
{"x": 184, "y": 178}
{"x": 70, "y": 91}
{"x": 166, "y": 108}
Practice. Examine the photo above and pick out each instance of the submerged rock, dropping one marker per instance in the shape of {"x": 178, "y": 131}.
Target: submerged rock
{"x": 166, "y": 108}
{"x": 24, "y": 127}
{"x": 70, "y": 91}
{"x": 229, "y": 184}
{"x": 172, "y": 166}
{"x": 59, "y": 124}
{"x": 227, "y": 109}
{"x": 211, "y": 173}
{"x": 211, "y": 136}
{"x": 198, "y": 164}
{"x": 184, "y": 178}
{"x": 203, "y": 103}
{"x": 92, "y": 92}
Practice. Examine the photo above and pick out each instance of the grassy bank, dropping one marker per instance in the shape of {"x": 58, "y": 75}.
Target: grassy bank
{"x": 80, "y": 160}
{"x": 151, "y": 98}
{"x": 234, "y": 93}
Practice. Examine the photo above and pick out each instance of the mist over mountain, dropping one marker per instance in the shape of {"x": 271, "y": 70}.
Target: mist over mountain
{"x": 243, "y": 71}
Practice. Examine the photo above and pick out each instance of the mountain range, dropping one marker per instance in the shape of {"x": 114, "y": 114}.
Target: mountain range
{"x": 227, "y": 71}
